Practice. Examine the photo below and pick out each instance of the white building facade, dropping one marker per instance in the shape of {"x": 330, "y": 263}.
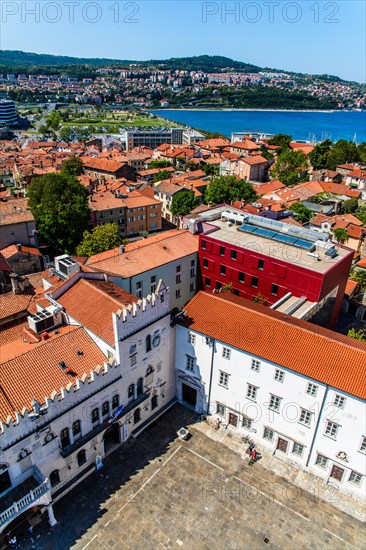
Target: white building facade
{"x": 296, "y": 417}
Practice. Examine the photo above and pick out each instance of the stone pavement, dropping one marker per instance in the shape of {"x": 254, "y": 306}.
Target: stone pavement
{"x": 288, "y": 470}
{"x": 157, "y": 492}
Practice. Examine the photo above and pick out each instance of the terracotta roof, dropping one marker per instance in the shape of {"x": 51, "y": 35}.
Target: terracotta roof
{"x": 168, "y": 187}
{"x": 36, "y": 373}
{"x": 256, "y": 159}
{"x": 12, "y": 304}
{"x": 306, "y": 148}
{"x": 351, "y": 286}
{"x": 362, "y": 263}
{"x": 13, "y": 249}
{"x": 146, "y": 254}
{"x": 92, "y": 302}
{"x": 104, "y": 165}
{"x": 246, "y": 144}
{"x": 267, "y": 188}
{"x": 314, "y": 352}
{"x": 15, "y": 211}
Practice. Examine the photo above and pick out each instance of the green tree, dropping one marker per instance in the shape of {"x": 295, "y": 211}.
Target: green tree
{"x": 159, "y": 163}
{"x": 183, "y": 203}
{"x": 291, "y": 167}
{"x": 282, "y": 141}
{"x": 359, "y": 275}
{"x": 228, "y": 189}
{"x": 101, "y": 238}
{"x": 342, "y": 152}
{"x": 340, "y": 235}
{"x": 319, "y": 155}
{"x": 302, "y": 214}
{"x": 162, "y": 175}
{"x": 43, "y": 130}
{"x": 350, "y": 206}
{"x": 66, "y": 133}
{"x": 357, "y": 334}
{"x": 73, "y": 166}
{"x": 362, "y": 152}
{"x": 59, "y": 204}
{"x": 361, "y": 214}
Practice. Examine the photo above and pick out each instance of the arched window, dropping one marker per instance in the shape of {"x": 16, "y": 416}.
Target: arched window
{"x": 65, "y": 438}
{"x": 76, "y": 429}
{"x": 5, "y": 482}
{"x": 131, "y": 390}
{"x": 149, "y": 375}
{"x": 81, "y": 457}
{"x": 136, "y": 416}
{"x": 154, "y": 402}
{"x": 95, "y": 415}
{"x": 105, "y": 408}
{"x": 115, "y": 401}
{"x": 54, "y": 478}
{"x": 148, "y": 343}
{"x": 140, "y": 387}
{"x": 23, "y": 454}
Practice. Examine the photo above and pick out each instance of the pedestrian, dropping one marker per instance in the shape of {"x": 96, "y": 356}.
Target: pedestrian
{"x": 253, "y": 454}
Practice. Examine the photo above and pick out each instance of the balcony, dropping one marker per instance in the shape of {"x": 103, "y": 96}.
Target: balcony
{"x": 25, "y": 495}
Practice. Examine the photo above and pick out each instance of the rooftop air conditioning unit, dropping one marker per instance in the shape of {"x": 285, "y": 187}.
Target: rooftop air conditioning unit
{"x": 40, "y": 321}
{"x": 66, "y": 265}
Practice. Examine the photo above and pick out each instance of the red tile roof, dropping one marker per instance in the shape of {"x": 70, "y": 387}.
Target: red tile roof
{"x": 92, "y": 302}
{"x": 312, "y": 351}
{"x": 36, "y": 373}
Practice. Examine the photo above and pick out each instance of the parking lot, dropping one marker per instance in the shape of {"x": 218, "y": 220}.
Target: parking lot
{"x": 159, "y": 492}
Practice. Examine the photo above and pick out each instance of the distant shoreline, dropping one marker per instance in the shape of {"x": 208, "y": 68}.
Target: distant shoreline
{"x": 260, "y": 110}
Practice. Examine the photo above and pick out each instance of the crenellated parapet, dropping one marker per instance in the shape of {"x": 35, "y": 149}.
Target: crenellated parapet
{"x": 59, "y": 402}
{"x": 134, "y": 317}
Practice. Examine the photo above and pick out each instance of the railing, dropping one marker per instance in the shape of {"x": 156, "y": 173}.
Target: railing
{"x": 23, "y": 503}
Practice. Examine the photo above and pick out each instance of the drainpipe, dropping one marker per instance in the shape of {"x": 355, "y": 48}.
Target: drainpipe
{"x": 211, "y": 372}
{"x": 317, "y": 426}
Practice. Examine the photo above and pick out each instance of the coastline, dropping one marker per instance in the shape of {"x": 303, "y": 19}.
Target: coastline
{"x": 259, "y": 110}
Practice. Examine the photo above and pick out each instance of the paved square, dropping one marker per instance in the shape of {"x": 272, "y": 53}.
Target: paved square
{"x": 159, "y": 492}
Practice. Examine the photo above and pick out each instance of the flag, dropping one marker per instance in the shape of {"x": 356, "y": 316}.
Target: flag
{"x": 116, "y": 415}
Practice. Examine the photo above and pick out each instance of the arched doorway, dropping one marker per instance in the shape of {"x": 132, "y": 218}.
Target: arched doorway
{"x": 111, "y": 438}
{"x": 19, "y": 527}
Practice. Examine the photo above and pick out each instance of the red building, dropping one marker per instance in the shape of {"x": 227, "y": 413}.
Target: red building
{"x": 289, "y": 268}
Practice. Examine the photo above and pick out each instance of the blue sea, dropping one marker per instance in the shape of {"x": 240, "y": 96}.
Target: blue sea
{"x": 315, "y": 125}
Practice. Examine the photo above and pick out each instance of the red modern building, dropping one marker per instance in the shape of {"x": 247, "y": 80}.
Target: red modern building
{"x": 291, "y": 269}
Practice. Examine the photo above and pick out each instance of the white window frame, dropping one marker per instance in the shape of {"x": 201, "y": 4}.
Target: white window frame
{"x": 269, "y": 432}
{"x": 305, "y": 417}
{"x": 190, "y": 363}
{"x": 224, "y": 379}
{"x": 321, "y": 461}
{"x": 312, "y": 389}
{"x": 247, "y": 423}
{"x": 330, "y": 428}
{"x": 279, "y": 375}
{"x": 191, "y": 338}
{"x": 274, "y": 402}
{"x": 226, "y": 353}
{"x": 256, "y": 365}
{"x": 339, "y": 401}
{"x": 252, "y": 392}
{"x": 298, "y": 445}
{"x": 220, "y": 409}
{"x": 363, "y": 445}
{"x": 354, "y": 474}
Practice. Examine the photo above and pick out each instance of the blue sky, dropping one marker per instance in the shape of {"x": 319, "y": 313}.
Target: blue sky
{"x": 317, "y": 36}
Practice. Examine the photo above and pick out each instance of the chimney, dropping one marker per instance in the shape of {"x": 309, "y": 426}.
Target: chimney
{"x": 15, "y": 286}
{"x": 122, "y": 249}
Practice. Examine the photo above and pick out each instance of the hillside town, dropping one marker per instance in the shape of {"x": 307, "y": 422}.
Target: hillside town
{"x": 162, "y": 271}
{"x": 162, "y": 87}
